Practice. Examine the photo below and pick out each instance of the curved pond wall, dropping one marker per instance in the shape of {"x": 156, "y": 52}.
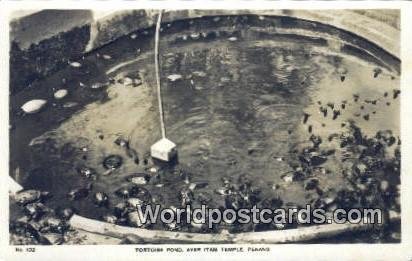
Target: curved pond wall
{"x": 76, "y": 32}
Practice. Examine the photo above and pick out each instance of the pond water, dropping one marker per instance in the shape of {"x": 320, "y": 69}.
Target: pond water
{"x": 238, "y": 109}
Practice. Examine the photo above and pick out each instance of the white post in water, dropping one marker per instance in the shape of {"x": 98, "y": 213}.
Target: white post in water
{"x": 164, "y": 149}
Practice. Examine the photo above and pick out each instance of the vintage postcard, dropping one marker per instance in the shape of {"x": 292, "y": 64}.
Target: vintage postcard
{"x": 179, "y": 129}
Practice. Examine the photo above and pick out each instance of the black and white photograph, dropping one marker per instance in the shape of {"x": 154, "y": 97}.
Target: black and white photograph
{"x": 223, "y": 127}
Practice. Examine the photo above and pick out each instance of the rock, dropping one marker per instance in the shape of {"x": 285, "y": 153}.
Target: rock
{"x": 70, "y": 104}
{"x": 362, "y": 187}
{"x": 66, "y": 213}
{"x": 272, "y": 202}
{"x": 110, "y": 219}
{"x": 127, "y": 81}
{"x": 195, "y": 36}
{"x": 122, "y": 142}
{"x": 112, "y": 162}
{"x": 27, "y": 196}
{"x": 55, "y": 224}
{"x": 135, "y": 202}
{"x": 133, "y": 219}
{"x": 79, "y": 193}
{"x": 223, "y": 191}
{"x": 360, "y": 169}
{"x": 75, "y": 64}
{"x": 332, "y": 207}
{"x": 204, "y": 197}
{"x": 172, "y": 226}
{"x": 384, "y": 186}
{"x": 275, "y": 186}
{"x": 139, "y": 178}
{"x": 120, "y": 210}
{"x": 226, "y": 181}
{"x": 384, "y": 135}
{"x": 24, "y": 220}
{"x": 52, "y": 238}
{"x": 99, "y": 85}
{"x": 137, "y": 82}
{"x": 199, "y": 73}
{"x": 328, "y": 200}
{"x": 288, "y": 178}
{"x": 192, "y": 186}
{"x": 33, "y": 106}
{"x": 36, "y": 210}
{"x": 106, "y": 57}
{"x": 60, "y": 94}
{"x": 143, "y": 194}
{"x": 86, "y": 172}
{"x": 186, "y": 197}
{"x": 134, "y": 191}
{"x": 174, "y": 77}
{"x": 198, "y": 185}
{"x": 125, "y": 192}
{"x": 232, "y": 39}
{"x": 101, "y": 199}
{"x": 224, "y": 79}
{"x": 22, "y": 240}
{"x": 280, "y": 226}
{"x": 311, "y": 184}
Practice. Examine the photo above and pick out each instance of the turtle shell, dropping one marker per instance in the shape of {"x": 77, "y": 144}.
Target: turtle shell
{"x": 112, "y": 162}
{"x": 138, "y": 178}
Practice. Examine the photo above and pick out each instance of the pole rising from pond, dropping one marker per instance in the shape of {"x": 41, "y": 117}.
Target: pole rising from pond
{"x": 159, "y": 95}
